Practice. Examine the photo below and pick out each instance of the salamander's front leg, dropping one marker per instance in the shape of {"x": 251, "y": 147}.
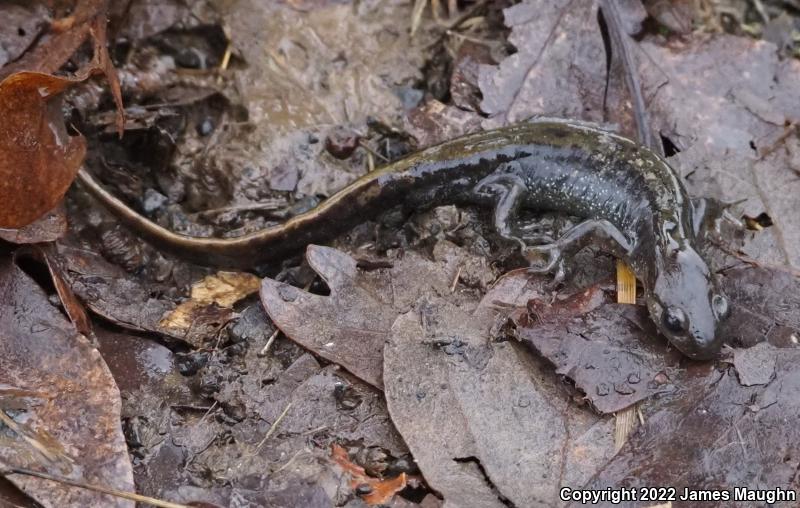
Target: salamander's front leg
{"x": 708, "y": 215}
{"x": 548, "y": 258}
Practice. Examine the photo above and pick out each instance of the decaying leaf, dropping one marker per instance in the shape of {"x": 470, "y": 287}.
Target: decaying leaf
{"x": 462, "y": 403}
{"x": 21, "y": 25}
{"x": 381, "y": 491}
{"x": 718, "y": 434}
{"x": 60, "y": 405}
{"x": 50, "y": 227}
{"x": 73, "y": 308}
{"x": 755, "y": 365}
{"x": 38, "y": 159}
{"x": 434, "y": 122}
{"x": 119, "y": 297}
{"x": 613, "y": 353}
{"x": 213, "y": 297}
{"x": 225, "y": 288}
{"x": 720, "y": 126}
{"x": 350, "y": 326}
{"x": 536, "y": 81}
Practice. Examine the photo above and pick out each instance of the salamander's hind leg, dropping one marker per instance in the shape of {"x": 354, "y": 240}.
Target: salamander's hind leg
{"x": 549, "y": 258}
{"x": 509, "y": 190}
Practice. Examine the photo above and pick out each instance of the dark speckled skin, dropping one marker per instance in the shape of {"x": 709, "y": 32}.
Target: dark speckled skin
{"x": 571, "y": 167}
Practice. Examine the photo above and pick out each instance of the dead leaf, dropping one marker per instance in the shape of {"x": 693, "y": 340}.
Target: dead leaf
{"x": 464, "y": 88}
{"x": 673, "y": 14}
{"x": 461, "y": 404}
{"x": 726, "y": 436}
{"x": 211, "y": 301}
{"x": 225, "y": 288}
{"x": 434, "y": 122}
{"x": 350, "y": 326}
{"x": 382, "y": 491}
{"x": 72, "y": 307}
{"x": 38, "y": 159}
{"x": 21, "y": 25}
{"x": 535, "y": 81}
{"x": 50, "y": 227}
{"x": 68, "y": 402}
{"x": 755, "y": 365}
{"x": 720, "y": 125}
{"x": 764, "y": 307}
{"x": 126, "y": 301}
{"x": 613, "y": 354}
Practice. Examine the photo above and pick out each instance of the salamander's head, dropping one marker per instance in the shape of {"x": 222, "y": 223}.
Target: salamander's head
{"x": 687, "y": 306}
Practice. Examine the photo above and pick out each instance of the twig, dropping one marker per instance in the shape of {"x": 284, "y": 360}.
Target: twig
{"x": 208, "y": 412}
{"x": 226, "y": 57}
{"x": 273, "y": 427}
{"x": 624, "y": 424}
{"x": 271, "y": 339}
{"x": 370, "y": 162}
{"x": 34, "y": 443}
{"x": 371, "y": 150}
{"x": 416, "y": 14}
{"x": 97, "y": 488}
{"x": 759, "y": 8}
{"x": 754, "y": 262}
{"x": 455, "y": 280}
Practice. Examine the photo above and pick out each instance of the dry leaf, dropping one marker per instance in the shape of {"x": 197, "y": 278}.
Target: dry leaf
{"x": 65, "y": 404}
{"x": 48, "y": 228}
{"x": 225, "y": 288}
{"x": 211, "y": 301}
{"x": 38, "y": 159}
{"x": 350, "y": 326}
{"x": 382, "y": 491}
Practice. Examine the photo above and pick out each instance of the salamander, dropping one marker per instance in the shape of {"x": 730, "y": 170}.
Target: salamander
{"x": 633, "y": 203}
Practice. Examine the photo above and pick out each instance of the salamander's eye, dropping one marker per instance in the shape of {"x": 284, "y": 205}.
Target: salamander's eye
{"x": 675, "y": 320}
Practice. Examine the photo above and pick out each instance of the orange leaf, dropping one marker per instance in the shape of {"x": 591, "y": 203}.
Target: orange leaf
{"x": 381, "y": 490}
{"x": 38, "y": 159}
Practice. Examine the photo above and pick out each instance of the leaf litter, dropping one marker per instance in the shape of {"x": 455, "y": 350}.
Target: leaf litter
{"x": 59, "y": 403}
{"x": 243, "y": 400}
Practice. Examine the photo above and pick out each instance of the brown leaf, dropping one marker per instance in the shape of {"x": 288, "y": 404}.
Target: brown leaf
{"x": 68, "y": 34}
{"x": 38, "y": 159}
{"x": 211, "y": 301}
{"x": 350, "y": 326}
{"x": 462, "y": 402}
{"x": 75, "y": 311}
{"x": 64, "y": 410}
{"x": 614, "y": 354}
{"x": 730, "y": 135}
{"x": 121, "y": 298}
{"x": 434, "y": 122}
{"x": 381, "y": 492}
{"x": 535, "y": 79}
{"x": 717, "y": 434}
{"x": 48, "y": 228}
